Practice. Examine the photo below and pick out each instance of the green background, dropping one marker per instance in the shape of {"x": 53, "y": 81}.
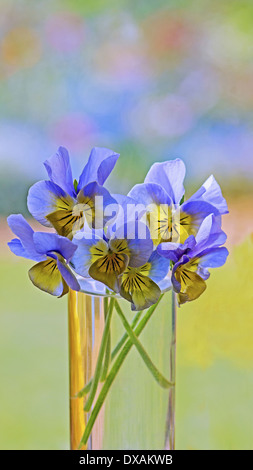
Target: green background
{"x": 214, "y": 362}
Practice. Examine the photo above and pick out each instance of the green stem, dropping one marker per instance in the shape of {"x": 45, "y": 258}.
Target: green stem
{"x": 85, "y": 389}
{"x": 170, "y": 425}
{"x": 98, "y": 369}
{"x": 125, "y": 335}
{"x": 113, "y": 372}
{"x": 107, "y": 358}
{"x": 161, "y": 380}
{"x": 115, "y": 351}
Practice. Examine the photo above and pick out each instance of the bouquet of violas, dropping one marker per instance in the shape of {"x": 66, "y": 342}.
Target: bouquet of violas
{"x": 134, "y": 247}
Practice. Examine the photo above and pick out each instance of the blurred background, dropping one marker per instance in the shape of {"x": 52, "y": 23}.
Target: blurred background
{"x": 152, "y": 80}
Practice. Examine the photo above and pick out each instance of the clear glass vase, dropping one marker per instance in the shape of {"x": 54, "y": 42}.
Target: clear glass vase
{"x": 137, "y": 412}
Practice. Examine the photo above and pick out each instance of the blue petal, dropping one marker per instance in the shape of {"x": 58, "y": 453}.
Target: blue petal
{"x": 175, "y": 283}
{"x": 89, "y": 233}
{"x": 45, "y": 243}
{"x": 59, "y": 171}
{"x": 165, "y": 285}
{"x": 82, "y": 258}
{"x": 90, "y": 286}
{"x": 171, "y": 251}
{"x": 210, "y": 192}
{"x": 133, "y": 230}
{"x": 198, "y": 210}
{"x": 24, "y": 231}
{"x": 123, "y": 200}
{"x": 100, "y": 164}
{"x": 21, "y": 228}
{"x": 174, "y": 251}
{"x": 150, "y": 193}
{"x": 101, "y": 200}
{"x": 210, "y": 234}
{"x": 138, "y": 240}
{"x": 140, "y": 252}
{"x": 213, "y": 258}
{"x": 68, "y": 276}
{"x": 124, "y": 213}
{"x": 159, "y": 267}
{"x": 203, "y": 272}
{"x": 17, "y": 248}
{"x": 44, "y": 198}
{"x": 170, "y": 175}
{"x": 127, "y": 212}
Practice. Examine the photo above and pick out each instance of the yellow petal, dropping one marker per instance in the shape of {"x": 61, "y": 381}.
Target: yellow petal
{"x": 108, "y": 268}
{"x": 99, "y": 250}
{"x": 139, "y": 289}
{"x": 86, "y": 206}
{"x": 192, "y": 286}
{"x": 120, "y": 246}
{"x": 69, "y": 217}
{"x": 47, "y": 277}
{"x": 66, "y": 223}
{"x": 170, "y": 224}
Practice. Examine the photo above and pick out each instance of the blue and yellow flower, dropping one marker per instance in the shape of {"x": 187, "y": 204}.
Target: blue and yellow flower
{"x": 170, "y": 219}
{"x": 128, "y": 265}
{"x": 52, "y": 253}
{"x": 141, "y": 285}
{"x": 192, "y": 259}
{"x": 65, "y": 204}
{"x": 105, "y": 257}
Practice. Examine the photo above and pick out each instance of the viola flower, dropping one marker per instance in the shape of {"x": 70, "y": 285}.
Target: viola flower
{"x": 192, "y": 259}
{"x": 63, "y": 203}
{"x": 51, "y": 274}
{"x": 105, "y": 257}
{"x": 141, "y": 285}
{"x": 169, "y": 218}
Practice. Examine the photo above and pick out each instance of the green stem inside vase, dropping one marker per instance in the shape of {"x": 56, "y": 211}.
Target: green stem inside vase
{"x": 114, "y": 353}
{"x": 161, "y": 380}
{"x": 170, "y": 425}
{"x": 100, "y": 358}
{"x": 113, "y": 373}
{"x": 107, "y": 358}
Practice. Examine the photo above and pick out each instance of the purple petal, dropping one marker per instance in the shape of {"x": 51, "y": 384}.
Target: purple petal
{"x": 68, "y": 276}
{"x": 170, "y": 175}
{"x": 174, "y": 251}
{"x": 100, "y": 164}
{"x": 91, "y": 286}
{"x": 125, "y": 212}
{"x": 45, "y": 243}
{"x": 198, "y": 210}
{"x": 101, "y": 199}
{"x": 165, "y": 285}
{"x": 24, "y": 231}
{"x": 59, "y": 170}
{"x": 20, "y": 227}
{"x": 17, "y": 248}
{"x": 175, "y": 283}
{"x": 150, "y": 193}
{"x": 139, "y": 242}
{"x": 210, "y": 233}
{"x": 43, "y": 199}
{"x": 159, "y": 267}
{"x": 210, "y": 192}
{"x": 140, "y": 252}
{"x": 213, "y": 258}
{"x": 81, "y": 260}
{"x": 203, "y": 272}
